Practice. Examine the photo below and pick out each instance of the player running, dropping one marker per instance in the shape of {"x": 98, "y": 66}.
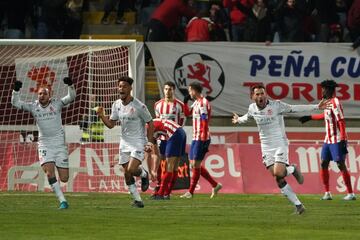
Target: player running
{"x": 335, "y": 143}
{"x": 269, "y": 117}
{"x": 132, "y": 115}
{"x": 52, "y": 150}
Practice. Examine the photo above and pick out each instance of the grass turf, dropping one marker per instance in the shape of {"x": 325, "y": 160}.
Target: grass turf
{"x": 110, "y": 216}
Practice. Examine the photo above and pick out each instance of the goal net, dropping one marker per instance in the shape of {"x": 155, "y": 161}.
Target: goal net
{"x": 94, "y": 67}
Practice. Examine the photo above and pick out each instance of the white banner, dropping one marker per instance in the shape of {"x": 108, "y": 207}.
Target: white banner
{"x": 291, "y": 72}
{"x": 37, "y": 72}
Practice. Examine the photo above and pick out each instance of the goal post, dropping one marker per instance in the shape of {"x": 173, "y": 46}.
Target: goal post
{"x": 94, "y": 66}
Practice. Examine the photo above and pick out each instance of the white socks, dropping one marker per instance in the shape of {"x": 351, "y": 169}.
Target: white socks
{"x": 134, "y": 192}
{"x": 290, "y": 170}
{"x": 289, "y": 193}
{"x": 143, "y": 173}
{"x": 57, "y": 190}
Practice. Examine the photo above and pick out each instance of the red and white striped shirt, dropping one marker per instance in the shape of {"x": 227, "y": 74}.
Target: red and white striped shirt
{"x": 201, "y": 112}
{"x": 332, "y": 118}
{"x": 163, "y": 127}
{"x": 170, "y": 110}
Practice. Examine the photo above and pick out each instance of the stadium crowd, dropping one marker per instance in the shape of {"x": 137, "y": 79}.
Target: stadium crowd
{"x": 193, "y": 20}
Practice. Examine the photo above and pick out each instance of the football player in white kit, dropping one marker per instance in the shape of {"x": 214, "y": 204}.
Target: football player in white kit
{"x": 269, "y": 117}
{"x": 52, "y": 150}
{"x": 133, "y": 116}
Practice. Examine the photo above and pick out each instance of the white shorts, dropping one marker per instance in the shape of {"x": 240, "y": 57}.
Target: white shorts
{"x": 57, "y": 154}
{"x": 125, "y": 156}
{"x": 279, "y": 154}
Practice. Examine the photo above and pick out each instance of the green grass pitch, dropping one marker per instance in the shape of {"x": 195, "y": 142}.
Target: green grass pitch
{"x": 110, "y": 216}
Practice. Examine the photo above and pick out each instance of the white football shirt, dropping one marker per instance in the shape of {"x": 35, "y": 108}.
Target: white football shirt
{"x": 270, "y": 121}
{"x": 48, "y": 119}
{"x": 132, "y": 117}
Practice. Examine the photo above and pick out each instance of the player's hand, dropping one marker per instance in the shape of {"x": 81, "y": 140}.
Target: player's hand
{"x": 100, "y": 111}
{"x": 148, "y": 147}
{"x": 153, "y": 175}
{"x": 343, "y": 146}
{"x": 235, "y": 118}
{"x": 187, "y": 99}
{"x": 68, "y": 81}
{"x": 324, "y": 104}
{"x": 304, "y": 119}
{"x": 17, "y": 85}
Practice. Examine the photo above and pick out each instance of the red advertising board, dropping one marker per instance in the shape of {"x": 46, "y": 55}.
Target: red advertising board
{"x": 238, "y": 167}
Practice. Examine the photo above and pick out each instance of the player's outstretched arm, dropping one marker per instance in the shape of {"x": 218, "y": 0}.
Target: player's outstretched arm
{"x": 239, "y": 120}
{"x": 70, "y": 97}
{"x": 108, "y": 122}
{"x": 15, "y": 98}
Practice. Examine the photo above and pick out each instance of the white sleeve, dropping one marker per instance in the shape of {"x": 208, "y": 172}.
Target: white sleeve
{"x": 243, "y": 119}
{"x": 287, "y": 108}
{"x": 70, "y": 96}
{"x": 114, "y": 113}
{"x": 145, "y": 114}
{"x": 16, "y": 102}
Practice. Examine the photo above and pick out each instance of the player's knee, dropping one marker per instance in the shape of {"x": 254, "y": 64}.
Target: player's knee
{"x": 324, "y": 164}
{"x": 341, "y": 165}
{"x": 64, "y": 178}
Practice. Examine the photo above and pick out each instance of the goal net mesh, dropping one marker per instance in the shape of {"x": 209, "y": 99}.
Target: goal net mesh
{"x": 94, "y": 70}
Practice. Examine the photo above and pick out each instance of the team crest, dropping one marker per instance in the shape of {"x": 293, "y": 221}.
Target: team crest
{"x": 200, "y": 68}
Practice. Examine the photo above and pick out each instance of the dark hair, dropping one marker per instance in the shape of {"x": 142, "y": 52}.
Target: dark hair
{"x": 127, "y": 79}
{"x": 196, "y": 86}
{"x": 329, "y": 83}
{"x": 169, "y": 83}
{"x": 253, "y": 87}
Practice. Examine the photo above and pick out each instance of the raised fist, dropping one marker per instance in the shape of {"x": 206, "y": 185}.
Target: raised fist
{"x": 187, "y": 99}
{"x": 17, "y": 85}
{"x": 68, "y": 81}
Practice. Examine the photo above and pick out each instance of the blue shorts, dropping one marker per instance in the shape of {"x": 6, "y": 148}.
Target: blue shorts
{"x": 332, "y": 151}
{"x": 162, "y": 147}
{"x": 175, "y": 146}
{"x": 198, "y": 149}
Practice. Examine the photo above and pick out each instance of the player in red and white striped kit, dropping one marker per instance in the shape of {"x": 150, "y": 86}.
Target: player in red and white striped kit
{"x": 172, "y": 109}
{"x": 335, "y": 143}
{"x": 201, "y": 112}
{"x": 175, "y": 138}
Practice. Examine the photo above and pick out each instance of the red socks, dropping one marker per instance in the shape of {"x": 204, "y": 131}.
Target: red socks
{"x": 324, "y": 173}
{"x": 194, "y": 179}
{"x": 205, "y": 174}
{"x": 346, "y": 176}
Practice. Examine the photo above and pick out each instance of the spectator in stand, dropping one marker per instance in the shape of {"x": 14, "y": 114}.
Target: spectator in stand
{"x": 237, "y": 17}
{"x": 122, "y": 5}
{"x": 353, "y": 22}
{"x": 290, "y": 21}
{"x": 50, "y": 19}
{"x": 325, "y": 10}
{"x": 199, "y": 27}
{"x": 220, "y": 19}
{"x": 16, "y": 12}
{"x": 165, "y": 19}
{"x": 258, "y": 24}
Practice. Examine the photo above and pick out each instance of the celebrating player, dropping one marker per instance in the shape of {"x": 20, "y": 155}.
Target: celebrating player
{"x": 201, "y": 112}
{"x": 335, "y": 143}
{"x": 269, "y": 118}
{"x": 175, "y": 148}
{"x": 172, "y": 109}
{"x": 132, "y": 115}
{"x": 52, "y": 149}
